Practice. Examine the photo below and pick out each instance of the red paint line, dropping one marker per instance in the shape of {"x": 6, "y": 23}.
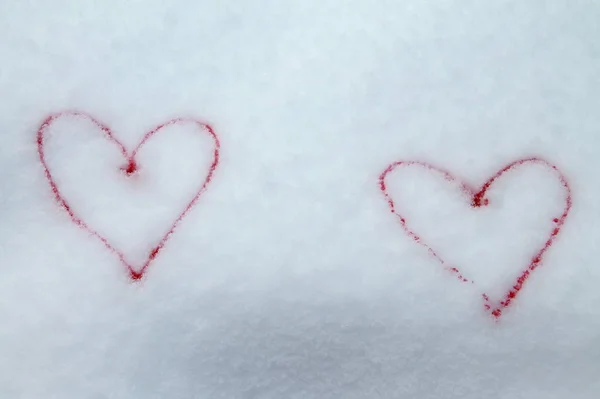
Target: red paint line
{"x": 478, "y": 199}
{"x": 132, "y": 167}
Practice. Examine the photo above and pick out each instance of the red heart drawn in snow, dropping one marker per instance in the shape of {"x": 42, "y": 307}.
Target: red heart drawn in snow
{"x": 477, "y": 199}
{"x": 130, "y": 168}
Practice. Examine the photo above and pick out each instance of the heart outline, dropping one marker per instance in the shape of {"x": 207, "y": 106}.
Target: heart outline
{"x": 478, "y": 200}
{"x": 131, "y": 168}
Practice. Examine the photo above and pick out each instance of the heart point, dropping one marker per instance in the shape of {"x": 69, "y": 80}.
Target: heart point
{"x": 135, "y": 276}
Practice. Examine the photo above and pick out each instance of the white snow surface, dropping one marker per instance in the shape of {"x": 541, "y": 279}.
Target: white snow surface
{"x": 291, "y": 278}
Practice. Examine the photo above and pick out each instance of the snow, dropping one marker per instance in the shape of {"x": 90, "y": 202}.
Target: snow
{"x": 290, "y": 277}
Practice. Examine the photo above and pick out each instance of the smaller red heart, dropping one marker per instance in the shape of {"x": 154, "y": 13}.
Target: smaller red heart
{"x": 130, "y": 168}
{"x": 477, "y": 198}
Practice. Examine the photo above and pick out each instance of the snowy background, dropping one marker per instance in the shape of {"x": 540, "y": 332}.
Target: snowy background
{"x": 290, "y": 278}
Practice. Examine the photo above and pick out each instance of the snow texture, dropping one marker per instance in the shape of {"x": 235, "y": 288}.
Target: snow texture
{"x": 290, "y": 278}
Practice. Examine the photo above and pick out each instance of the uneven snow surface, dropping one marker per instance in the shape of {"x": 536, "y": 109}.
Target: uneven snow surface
{"x": 210, "y": 199}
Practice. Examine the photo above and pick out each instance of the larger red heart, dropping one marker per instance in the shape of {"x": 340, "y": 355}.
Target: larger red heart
{"x": 129, "y": 169}
{"x": 477, "y": 199}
